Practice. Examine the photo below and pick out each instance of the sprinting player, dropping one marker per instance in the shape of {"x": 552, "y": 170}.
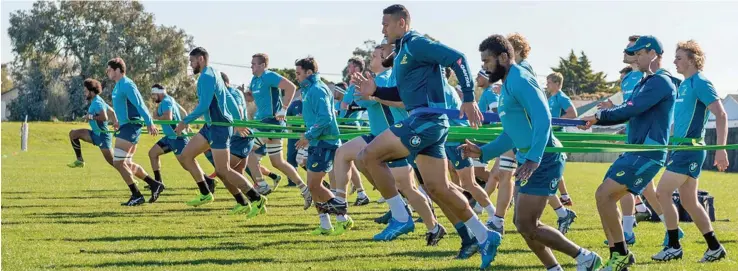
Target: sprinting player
{"x": 295, "y": 109}
{"x": 213, "y": 96}
{"x": 355, "y": 64}
{"x": 631, "y": 206}
{"x": 648, "y": 113}
{"x": 98, "y": 118}
{"x": 464, "y": 165}
{"x": 561, "y": 107}
{"x": 129, "y": 106}
{"x": 695, "y": 97}
{"x": 489, "y": 98}
{"x": 168, "y": 109}
{"x": 421, "y": 137}
{"x": 381, "y": 116}
{"x": 320, "y": 120}
{"x": 265, "y": 86}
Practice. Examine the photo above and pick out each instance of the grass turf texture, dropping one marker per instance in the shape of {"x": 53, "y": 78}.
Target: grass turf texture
{"x": 54, "y": 217}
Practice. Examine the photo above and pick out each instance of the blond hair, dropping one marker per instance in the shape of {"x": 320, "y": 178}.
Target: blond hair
{"x": 694, "y": 53}
{"x": 556, "y": 77}
{"x": 520, "y": 44}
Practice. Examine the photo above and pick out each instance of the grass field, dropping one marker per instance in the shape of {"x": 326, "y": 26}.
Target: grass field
{"x": 54, "y": 217}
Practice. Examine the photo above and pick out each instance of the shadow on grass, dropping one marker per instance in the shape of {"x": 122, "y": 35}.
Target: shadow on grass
{"x": 133, "y": 264}
{"x": 60, "y": 215}
{"x": 138, "y": 238}
{"x": 63, "y": 222}
{"x": 229, "y": 247}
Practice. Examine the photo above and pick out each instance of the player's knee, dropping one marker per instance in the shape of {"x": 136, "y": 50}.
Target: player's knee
{"x": 153, "y": 153}
{"x": 526, "y": 227}
{"x": 71, "y": 134}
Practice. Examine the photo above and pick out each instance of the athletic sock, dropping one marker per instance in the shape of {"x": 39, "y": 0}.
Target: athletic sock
{"x": 203, "y": 186}
{"x": 565, "y": 196}
{"x": 240, "y": 199}
{"x": 134, "y": 190}
{"x": 663, "y": 219}
{"x": 77, "y": 150}
{"x": 463, "y": 232}
{"x": 498, "y": 221}
{"x": 712, "y": 242}
{"x": 561, "y": 212}
{"x": 340, "y": 199}
{"x": 490, "y": 210}
{"x": 641, "y": 208}
{"x": 361, "y": 194}
{"x": 674, "y": 238}
{"x": 157, "y": 175}
{"x": 397, "y": 207}
{"x": 261, "y": 183}
{"x": 628, "y": 221}
{"x": 435, "y": 229}
{"x": 582, "y": 255}
{"x": 556, "y": 267}
{"x": 151, "y": 182}
{"x": 273, "y": 175}
{"x": 341, "y": 218}
{"x": 210, "y": 182}
{"x": 252, "y": 195}
{"x": 620, "y": 248}
{"x": 477, "y": 228}
{"x": 325, "y": 221}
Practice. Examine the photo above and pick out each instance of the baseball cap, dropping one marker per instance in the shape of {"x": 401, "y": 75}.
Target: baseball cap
{"x": 645, "y": 42}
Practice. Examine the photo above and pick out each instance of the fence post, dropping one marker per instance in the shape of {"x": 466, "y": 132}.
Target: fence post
{"x": 24, "y": 135}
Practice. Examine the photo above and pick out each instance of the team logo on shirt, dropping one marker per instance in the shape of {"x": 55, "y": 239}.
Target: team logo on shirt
{"x": 404, "y": 59}
{"x": 314, "y": 165}
{"x": 415, "y": 141}
{"x": 523, "y": 182}
{"x": 620, "y": 174}
{"x": 692, "y": 166}
{"x": 638, "y": 181}
{"x": 456, "y": 164}
{"x": 398, "y": 125}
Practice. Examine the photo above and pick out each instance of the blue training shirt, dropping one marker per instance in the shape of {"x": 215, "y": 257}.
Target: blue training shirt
{"x": 488, "y": 101}
{"x": 318, "y": 112}
{"x": 695, "y": 94}
{"x": 648, "y": 113}
{"x": 235, "y": 104}
{"x": 212, "y": 96}
{"x": 97, "y": 106}
{"x": 348, "y": 98}
{"x": 525, "y": 117}
{"x": 526, "y": 65}
{"x": 128, "y": 103}
{"x": 380, "y": 115}
{"x": 558, "y": 104}
{"x": 398, "y": 113}
{"x": 629, "y": 82}
{"x": 418, "y": 69}
{"x": 266, "y": 94}
{"x": 169, "y": 104}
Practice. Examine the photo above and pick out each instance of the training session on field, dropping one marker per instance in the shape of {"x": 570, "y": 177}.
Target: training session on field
{"x": 242, "y": 135}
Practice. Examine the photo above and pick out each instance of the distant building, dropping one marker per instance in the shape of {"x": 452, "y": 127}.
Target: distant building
{"x": 7, "y": 98}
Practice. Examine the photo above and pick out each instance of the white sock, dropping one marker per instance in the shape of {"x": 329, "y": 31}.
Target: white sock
{"x": 340, "y": 199}
{"x": 361, "y": 194}
{"x": 262, "y": 183}
{"x": 641, "y": 208}
{"x": 583, "y": 255}
{"x": 435, "y": 229}
{"x": 325, "y": 221}
{"x": 555, "y": 268}
{"x": 565, "y": 196}
{"x": 498, "y": 221}
{"x": 628, "y": 221}
{"x": 341, "y": 218}
{"x": 490, "y": 210}
{"x": 663, "y": 220}
{"x": 397, "y": 206}
{"x": 561, "y": 212}
{"x": 304, "y": 189}
{"x": 477, "y": 228}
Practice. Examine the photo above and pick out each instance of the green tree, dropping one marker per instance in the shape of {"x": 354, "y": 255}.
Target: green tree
{"x": 7, "y": 82}
{"x": 86, "y": 35}
{"x": 365, "y": 51}
{"x": 579, "y": 77}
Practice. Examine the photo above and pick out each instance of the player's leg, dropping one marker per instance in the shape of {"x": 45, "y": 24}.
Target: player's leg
{"x": 222, "y": 157}
{"x": 161, "y": 147}
{"x": 403, "y": 174}
{"x": 650, "y": 194}
{"x": 465, "y": 171}
{"x": 690, "y": 202}
{"x": 197, "y": 145}
{"x": 242, "y": 205}
{"x": 319, "y": 162}
{"x": 361, "y": 198}
{"x": 292, "y": 158}
{"x": 669, "y": 182}
{"x": 627, "y": 208}
{"x": 505, "y": 185}
{"x": 74, "y": 137}
{"x": 343, "y": 166}
{"x": 266, "y": 172}
{"x": 274, "y": 150}
{"x": 565, "y": 216}
{"x": 607, "y": 196}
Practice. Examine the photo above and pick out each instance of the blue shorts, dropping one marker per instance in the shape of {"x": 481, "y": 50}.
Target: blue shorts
{"x": 219, "y": 137}
{"x": 320, "y": 159}
{"x": 545, "y": 179}
{"x": 241, "y": 146}
{"x": 175, "y": 145}
{"x": 273, "y": 121}
{"x": 102, "y": 140}
{"x": 422, "y": 134}
{"x": 633, "y": 171}
{"x": 129, "y": 132}
{"x": 686, "y": 162}
{"x": 454, "y": 156}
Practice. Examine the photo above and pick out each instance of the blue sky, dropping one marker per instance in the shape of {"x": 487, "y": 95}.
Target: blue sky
{"x": 233, "y": 31}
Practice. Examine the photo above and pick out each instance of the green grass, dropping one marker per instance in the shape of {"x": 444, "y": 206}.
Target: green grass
{"x": 54, "y": 217}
